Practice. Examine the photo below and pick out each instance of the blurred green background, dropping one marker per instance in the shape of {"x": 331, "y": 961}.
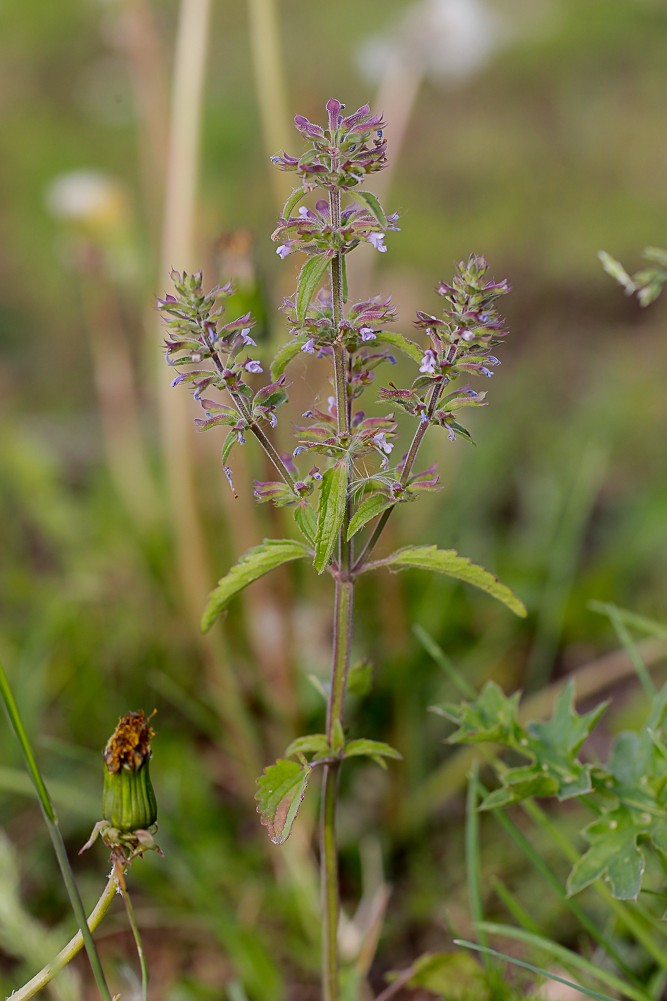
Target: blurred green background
{"x": 528, "y": 130}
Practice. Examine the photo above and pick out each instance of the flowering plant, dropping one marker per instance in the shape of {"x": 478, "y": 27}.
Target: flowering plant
{"x": 347, "y": 486}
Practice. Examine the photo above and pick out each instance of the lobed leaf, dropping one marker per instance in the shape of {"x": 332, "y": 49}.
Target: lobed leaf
{"x": 447, "y": 561}
{"x": 253, "y": 564}
{"x": 331, "y": 511}
{"x": 280, "y": 791}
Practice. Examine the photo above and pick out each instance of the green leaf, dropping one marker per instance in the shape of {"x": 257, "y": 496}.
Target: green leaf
{"x": 401, "y": 343}
{"x": 614, "y": 853}
{"x": 367, "y": 510}
{"x": 309, "y": 278}
{"x": 227, "y": 446}
{"x": 305, "y": 518}
{"x": 280, "y": 791}
{"x": 492, "y": 717}
{"x": 371, "y": 202}
{"x": 360, "y": 678}
{"x": 292, "y": 202}
{"x": 447, "y": 561}
{"x": 374, "y": 749}
{"x": 255, "y": 563}
{"x": 313, "y": 743}
{"x": 285, "y": 355}
{"x": 331, "y": 511}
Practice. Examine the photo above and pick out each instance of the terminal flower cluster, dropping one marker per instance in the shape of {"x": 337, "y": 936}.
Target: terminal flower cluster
{"x": 340, "y": 156}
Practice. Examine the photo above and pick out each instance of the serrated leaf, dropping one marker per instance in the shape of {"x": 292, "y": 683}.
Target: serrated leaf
{"x": 305, "y": 518}
{"x": 285, "y": 355}
{"x": 447, "y": 561}
{"x": 280, "y": 791}
{"x": 373, "y": 749}
{"x": 313, "y": 743}
{"x": 371, "y": 202}
{"x": 256, "y": 562}
{"x": 331, "y": 511}
{"x": 297, "y": 195}
{"x": 308, "y": 281}
{"x": 401, "y": 343}
{"x": 492, "y": 717}
{"x": 367, "y": 510}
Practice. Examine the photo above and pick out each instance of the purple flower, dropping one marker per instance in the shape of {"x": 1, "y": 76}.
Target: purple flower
{"x": 245, "y": 336}
{"x": 486, "y": 371}
{"x": 381, "y": 442}
{"x": 377, "y": 240}
{"x": 367, "y": 334}
{"x": 428, "y": 362}
{"x": 273, "y": 420}
{"x": 228, "y": 473}
{"x": 309, "y": 347}
{"x": 240, "y": 438}
{"x": 253, "y": 367}
{"x": 283, "y": 250}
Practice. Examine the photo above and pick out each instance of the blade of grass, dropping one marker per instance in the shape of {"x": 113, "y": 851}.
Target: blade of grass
{"x": 53, "y": 828}
{"x": 443, "y": 661}
{"x": 472, "y": 855}
{"x": 514, "y": 906}
{"x": 636, "y": 920}
{"x": 567, "y": 958}
{"x": 68, "y": 952}
{"x": 630, "y": 646}
{"x": 534, "y": 969}
{"x": 550, "y": 877}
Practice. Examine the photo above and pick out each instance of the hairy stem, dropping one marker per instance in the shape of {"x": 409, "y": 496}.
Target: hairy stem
{"x": 51, "y": 820}
{"x": 342, "y": 636}
{"x": 422, "y": 427}
{"x": 69, "y": 951}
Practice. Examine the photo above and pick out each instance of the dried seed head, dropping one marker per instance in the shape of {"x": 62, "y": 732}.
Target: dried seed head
{"x": 129, "y": 746}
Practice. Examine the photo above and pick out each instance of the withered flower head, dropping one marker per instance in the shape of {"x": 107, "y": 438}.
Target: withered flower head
{"x": 130, "y": 744}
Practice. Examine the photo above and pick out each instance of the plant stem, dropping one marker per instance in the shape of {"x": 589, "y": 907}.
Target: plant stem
{"x": 135, "y": 931}
{"x": 422, "y": 427}
{"x": 342, "y": 636}
{"x": 68, "y": 952}
{"x": 53, "y": 827}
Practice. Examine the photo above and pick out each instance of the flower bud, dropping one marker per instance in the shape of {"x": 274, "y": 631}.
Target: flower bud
{"x": 128, "y": 800}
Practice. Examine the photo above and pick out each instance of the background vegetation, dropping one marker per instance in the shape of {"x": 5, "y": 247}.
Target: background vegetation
{"x": 549, "y": 150}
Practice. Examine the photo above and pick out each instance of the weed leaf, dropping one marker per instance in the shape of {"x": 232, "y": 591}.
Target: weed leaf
{"x": 448, "y": 561}
{"x": 255, "y": 563}
{"x": 309, "y": 278}
{"x": 280, "y": 791}
{"x": 331, "y": 511}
